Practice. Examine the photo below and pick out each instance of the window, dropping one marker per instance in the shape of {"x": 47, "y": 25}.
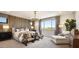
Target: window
{"x": 48, "y": 24}
{"x": 42, "y": 24}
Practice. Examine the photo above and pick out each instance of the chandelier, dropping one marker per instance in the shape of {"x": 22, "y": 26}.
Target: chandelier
{"x": 35, "y": 16}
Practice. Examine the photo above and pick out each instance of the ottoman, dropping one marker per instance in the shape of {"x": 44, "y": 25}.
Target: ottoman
{"x": 60, "y": 40}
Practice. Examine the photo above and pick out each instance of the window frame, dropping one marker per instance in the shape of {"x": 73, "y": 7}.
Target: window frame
{"x": 50, "y": 20}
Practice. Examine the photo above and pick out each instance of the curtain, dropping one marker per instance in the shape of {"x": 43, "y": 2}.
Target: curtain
{"x": 48, "y": 26}
{"x": 57, "y": 31}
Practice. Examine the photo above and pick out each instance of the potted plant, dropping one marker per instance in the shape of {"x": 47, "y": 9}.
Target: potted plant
{"x": 70, "y": 24}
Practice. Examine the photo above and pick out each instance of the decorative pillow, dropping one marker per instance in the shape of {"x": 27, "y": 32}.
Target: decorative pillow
{"x": 59, "y": 37}
{"x": 29, "y": 35}
{"x": 15, "y": 35}
{"x": 65, "y": 32}
{"x": 61, "y": 34}
{"x": 69, "y": 37}
{"x": 22, "y": 29}
{"x": 72, "y": 32}
{"x": 17, "y": 30}
{"x": 20, "y": 37}
{"x": 25, "y": 38}
{"x": 13, "y": 30}
{"x": 26, "y": 29}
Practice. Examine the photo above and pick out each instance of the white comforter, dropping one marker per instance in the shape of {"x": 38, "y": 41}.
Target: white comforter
{"x": 16, "y": 34}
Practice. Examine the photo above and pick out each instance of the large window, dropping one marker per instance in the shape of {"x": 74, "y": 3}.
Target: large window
{"x": 48, "y": 24}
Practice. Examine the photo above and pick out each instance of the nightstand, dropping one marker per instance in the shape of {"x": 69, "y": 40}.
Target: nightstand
{"x": 5, "y": 35}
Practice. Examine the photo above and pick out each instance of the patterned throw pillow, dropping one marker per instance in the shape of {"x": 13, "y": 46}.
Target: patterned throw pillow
{"x": 25, "y": 38}
{"x": 20, "y": 37}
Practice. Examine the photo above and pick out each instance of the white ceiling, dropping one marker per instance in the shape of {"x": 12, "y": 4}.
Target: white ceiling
{"x": 39, "y": 14}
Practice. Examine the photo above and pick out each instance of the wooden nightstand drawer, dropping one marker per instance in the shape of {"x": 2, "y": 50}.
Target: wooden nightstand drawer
{"x": 5, "y": 35}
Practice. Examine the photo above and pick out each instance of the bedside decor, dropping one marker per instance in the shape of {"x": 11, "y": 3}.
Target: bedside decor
{"x": 60, "y": 27}
{"x": 5, "y": 35}
{"x": 5, "y": 28}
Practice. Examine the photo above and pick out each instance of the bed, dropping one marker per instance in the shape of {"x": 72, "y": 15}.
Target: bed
{"x": 24, "y": 36}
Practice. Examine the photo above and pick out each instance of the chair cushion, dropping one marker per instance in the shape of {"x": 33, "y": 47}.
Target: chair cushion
{"x": 60, "y": 39}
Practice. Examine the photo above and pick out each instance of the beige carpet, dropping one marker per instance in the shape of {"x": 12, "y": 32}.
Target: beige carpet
{"x": 11, "y": 44}
{"x": 45, "y": 43}
{"x": 42, "y": 43}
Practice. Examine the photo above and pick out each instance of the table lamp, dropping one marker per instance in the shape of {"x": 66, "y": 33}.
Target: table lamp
{"x": 5, "y": 27}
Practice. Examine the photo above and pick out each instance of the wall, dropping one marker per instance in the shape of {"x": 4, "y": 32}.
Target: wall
{"x": 67, "y": 15}
{"x": 77, "y": 19}
{"x": 16, "y": 21}
{"x": 37, "y": 25}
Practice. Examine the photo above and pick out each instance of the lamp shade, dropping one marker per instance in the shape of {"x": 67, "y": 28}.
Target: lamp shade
{"x": 60, "y": 25}
{"x": 5, "y": 26}
{"x": 32, "y": 27}
{"x": 30, "y": 23}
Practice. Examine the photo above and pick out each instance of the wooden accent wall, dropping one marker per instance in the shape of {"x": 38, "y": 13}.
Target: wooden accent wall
{"x": 17, "y": 22}
{"x": 1, "y": 28}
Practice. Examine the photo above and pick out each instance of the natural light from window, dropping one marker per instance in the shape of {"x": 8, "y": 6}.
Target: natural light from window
{"x": 48, "y": 24}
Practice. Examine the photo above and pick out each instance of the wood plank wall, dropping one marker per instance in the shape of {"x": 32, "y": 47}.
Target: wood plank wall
{"x": 16, "y": 21}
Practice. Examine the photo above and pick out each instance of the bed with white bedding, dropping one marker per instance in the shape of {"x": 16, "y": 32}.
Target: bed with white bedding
{"x": 18, "y": 35}
{"x": 22, "y": 35}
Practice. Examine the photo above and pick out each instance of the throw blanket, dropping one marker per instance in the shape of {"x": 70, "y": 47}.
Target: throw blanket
{"x": 26, "y": 37}
{"x": 22, "y": 35}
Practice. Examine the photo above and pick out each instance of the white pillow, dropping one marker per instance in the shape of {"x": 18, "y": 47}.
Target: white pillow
{"x": 72, "y": 32}
{"x": 13, "y": 30}
{"x": 22, "y": 29}
{"x": 59, "y": 37}
{"x": 65, "y": 32}
{"x": 26, "y": 29}
{"x": 17, "y": 30}
{"x": 21, "y": 38}
{"x": 15, "y": 35}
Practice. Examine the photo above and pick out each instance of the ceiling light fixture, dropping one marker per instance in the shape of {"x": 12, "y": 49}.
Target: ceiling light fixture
{"x": 35, "y": 16}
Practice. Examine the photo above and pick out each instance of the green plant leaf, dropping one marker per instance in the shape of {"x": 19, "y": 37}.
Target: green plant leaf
{"x": 70, "y": 24}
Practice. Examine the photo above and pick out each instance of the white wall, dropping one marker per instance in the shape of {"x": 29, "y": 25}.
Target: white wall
{"x": 77, "y": 19}
{"x": 37, "y": 25}
{"x": 66, "y": 15}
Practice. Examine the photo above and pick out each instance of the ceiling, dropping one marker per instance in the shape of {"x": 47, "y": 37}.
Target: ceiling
{"x": 39, "y": 14}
